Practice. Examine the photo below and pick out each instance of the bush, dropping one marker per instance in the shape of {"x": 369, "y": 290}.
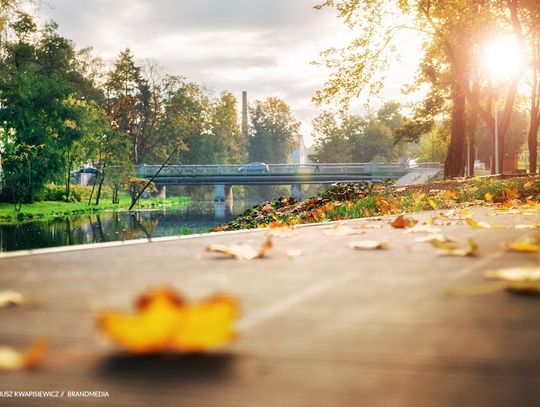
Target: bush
{"x": 78, "y": 193}
{"x": 51, "y": 192}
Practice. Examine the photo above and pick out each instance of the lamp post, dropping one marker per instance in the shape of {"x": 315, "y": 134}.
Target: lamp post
{"x": 497, "y": 164}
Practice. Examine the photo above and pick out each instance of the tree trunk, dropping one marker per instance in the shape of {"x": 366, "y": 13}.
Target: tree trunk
{"x": 98, "y": 195}
{"x": 454, "y": 164}
{"x": 68, "y": 177}
{"x": 532, "y": 139}
{"x": 504, "y": 124}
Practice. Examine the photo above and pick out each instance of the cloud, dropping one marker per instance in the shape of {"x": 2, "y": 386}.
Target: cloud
{"x": 263, "y": 46}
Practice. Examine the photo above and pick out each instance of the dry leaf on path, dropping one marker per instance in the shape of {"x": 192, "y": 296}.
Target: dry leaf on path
{"x": 528, "y": 245}
{"x": 10, "y": 298}
{"x": 515, "y": 274}
{"x": 241, "y": 252}
{"x": 423, "y": 229}
{"x": 520, "y": 280}
{"x": 478, "y": 225}
{"x": 10, "y": 359}
{"x": 452, "y": 214}
{"x": 164, "y": 322}
{"x": 368, "y": 245}
{"x": 402, "y": 222}
{"x": 435, "y": 236}
{"x": 452, "y": 249}
{"x": 343, "y": 230}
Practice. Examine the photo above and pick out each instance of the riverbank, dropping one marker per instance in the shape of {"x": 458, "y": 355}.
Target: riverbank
{"x": 361, "y": 200}
{"x": 52, "y": 209}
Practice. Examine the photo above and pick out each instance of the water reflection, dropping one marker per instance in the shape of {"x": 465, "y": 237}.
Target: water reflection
{"x": 114, "y": 226}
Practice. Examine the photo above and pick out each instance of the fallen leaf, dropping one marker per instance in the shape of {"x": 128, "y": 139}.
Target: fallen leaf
{"x": 243, "y": 251}
{"x": 435, "y": 236}
{"x": 433, "y": 204}
{"x": 528, "y": 245}
{"x": 10, "y": 298}
{"x": 164, "y": 321}
{"x": 529, "y": 273}
{"x": 477, "y": 225}
{"x": 450, "y": 195}
{"x": 267, "y": 208}
{"x": 402, "y": 222}
{"x": 488, "y": 197}
{"x": 511, "y": 194}
{"x": 10, "y": 359}
{"x": 368, "y": 245}
{"x": 343, "y": 230}
{"x": 455, "y": 215}
{"x": 520, "y": 280}
{"x": 451, "y": 249}
{"x": 423, "y": 229}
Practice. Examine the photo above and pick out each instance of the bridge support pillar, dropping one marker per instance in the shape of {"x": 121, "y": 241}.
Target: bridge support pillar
{"x": 223, "y": 193}
{"x": 296, "y": 191}
{"x": 161, "y": 192}
{"x": 224, "y": 199}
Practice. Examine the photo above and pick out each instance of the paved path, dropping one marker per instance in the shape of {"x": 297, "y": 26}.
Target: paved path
{"x": 334, "y": 327}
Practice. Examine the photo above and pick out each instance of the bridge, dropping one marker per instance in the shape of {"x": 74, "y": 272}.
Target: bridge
{"x": 223, "y": 177}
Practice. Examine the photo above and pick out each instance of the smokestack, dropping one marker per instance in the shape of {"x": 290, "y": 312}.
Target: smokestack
{"x": 244, "y": 115}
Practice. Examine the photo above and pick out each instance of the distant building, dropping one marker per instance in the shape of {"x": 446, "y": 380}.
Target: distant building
{"x": 298, "y": 154}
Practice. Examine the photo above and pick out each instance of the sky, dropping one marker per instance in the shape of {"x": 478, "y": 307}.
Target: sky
{"x": 261, "y": 46}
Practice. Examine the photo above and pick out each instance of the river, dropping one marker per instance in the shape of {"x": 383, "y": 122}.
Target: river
{"x": 109, "y": 226}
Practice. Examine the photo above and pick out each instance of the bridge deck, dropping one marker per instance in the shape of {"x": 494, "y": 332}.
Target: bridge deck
{"x": 333, "y": 327}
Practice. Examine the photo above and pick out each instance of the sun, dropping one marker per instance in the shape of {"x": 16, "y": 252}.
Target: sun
{"x": 503, "y": 58}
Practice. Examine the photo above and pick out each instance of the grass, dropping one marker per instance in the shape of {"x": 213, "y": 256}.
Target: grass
{"x": 353, "y": 201}
{"x": 52, "y": 209}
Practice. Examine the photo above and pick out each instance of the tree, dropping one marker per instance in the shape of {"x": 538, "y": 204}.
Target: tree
{"x": 332, "y": 144}
{"x": 272, "y": 131}
{"x": 184, "y": 123}
{"x": 229, "y": 144}
{"x": 434, "y": 144}
{"x": 453, "y": 35}
{"x": 373, "y": 143}
{"x": 123, "y": 99}
{"x": 40, "y": 118}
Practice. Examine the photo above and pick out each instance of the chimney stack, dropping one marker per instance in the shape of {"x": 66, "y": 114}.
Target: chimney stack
{"x": 244, "y": 115}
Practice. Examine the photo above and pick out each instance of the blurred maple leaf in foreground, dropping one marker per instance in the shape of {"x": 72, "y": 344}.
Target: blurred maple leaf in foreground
{"x": 166, "y": 322}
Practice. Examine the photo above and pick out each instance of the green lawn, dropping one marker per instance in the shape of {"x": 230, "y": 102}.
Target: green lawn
{"x": 51, "y": 209}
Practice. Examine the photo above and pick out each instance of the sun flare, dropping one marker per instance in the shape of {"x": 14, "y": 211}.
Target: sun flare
{"x": 503, "y": 58}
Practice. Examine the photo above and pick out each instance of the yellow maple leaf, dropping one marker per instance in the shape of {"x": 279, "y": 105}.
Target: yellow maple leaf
{"x": 488, "y": 197}
{"x": 165, "y": 322}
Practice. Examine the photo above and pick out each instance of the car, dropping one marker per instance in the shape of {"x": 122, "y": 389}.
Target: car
{"x": 254, "y": 168}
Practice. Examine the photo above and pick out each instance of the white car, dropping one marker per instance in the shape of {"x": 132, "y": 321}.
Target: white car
{"x": 254, "y": 168}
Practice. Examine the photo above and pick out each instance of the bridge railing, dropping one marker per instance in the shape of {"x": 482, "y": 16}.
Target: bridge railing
{"x": 147, "y": 171}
